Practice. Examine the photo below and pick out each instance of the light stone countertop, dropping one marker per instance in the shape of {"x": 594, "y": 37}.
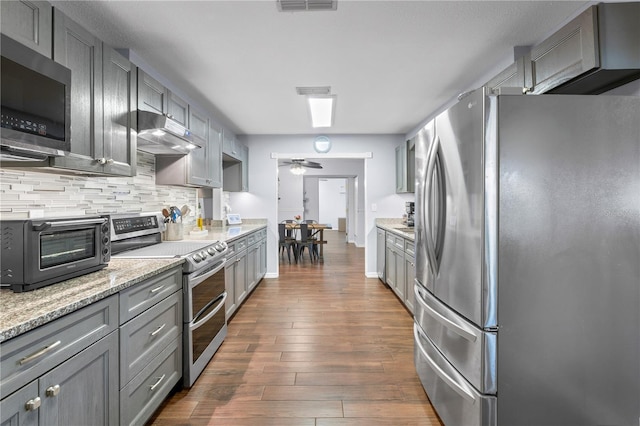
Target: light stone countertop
{"x": 21, "y": 312}
{"x": 396, "y": 226}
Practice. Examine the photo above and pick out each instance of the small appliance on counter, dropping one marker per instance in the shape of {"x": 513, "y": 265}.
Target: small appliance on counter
{"x": 39, "y": 252}
{"x": 410, "y": 208}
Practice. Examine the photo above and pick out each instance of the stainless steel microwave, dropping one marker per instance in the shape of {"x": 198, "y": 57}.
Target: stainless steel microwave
{"x": 36, "y": 104}
{"x": 39, "y": 252}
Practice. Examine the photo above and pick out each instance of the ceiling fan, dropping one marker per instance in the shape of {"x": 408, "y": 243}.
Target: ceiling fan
{"x": 298, "y": 165}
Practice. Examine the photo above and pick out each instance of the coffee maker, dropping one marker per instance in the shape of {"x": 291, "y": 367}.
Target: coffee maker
{"x": 410, "y": 208}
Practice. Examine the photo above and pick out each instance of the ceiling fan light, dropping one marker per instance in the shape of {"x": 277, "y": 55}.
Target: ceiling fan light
{"x": 297, "y": 169}
{"x": 322, "y": 110}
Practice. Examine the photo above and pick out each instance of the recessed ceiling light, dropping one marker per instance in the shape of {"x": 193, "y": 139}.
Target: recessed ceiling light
{"x": 322, "y": 109}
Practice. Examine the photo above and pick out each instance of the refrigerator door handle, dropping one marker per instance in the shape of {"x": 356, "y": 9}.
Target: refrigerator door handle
{"x": 431, "y": 163}
{"x": 457, "y": 387}
{"x": 446, "y": 322}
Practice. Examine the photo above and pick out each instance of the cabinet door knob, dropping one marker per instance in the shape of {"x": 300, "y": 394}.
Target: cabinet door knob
{"x": 33, "y": 404}
{"x": 53, "y": 390}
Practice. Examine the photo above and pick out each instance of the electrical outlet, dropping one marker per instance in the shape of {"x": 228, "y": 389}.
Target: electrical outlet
{"x": 374, "y": 207}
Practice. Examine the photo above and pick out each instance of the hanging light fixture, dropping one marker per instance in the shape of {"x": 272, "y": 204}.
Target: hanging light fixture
{"x": 297, "y": 169}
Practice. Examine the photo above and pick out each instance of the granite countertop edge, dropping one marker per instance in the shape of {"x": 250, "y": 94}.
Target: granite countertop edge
{"x": 396, "y": 226}
{"x": 22, "y": 312}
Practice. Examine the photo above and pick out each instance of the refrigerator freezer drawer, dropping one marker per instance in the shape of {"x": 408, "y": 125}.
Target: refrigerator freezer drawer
{"x": 454, "y": 399}
{"x": 469, "y": 349}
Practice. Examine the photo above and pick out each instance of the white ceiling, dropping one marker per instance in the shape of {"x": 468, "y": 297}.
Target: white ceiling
{"x": 390, "y": 63}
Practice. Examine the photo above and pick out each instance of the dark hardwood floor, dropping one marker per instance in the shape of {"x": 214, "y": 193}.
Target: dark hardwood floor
{"x": 321, "y": 345}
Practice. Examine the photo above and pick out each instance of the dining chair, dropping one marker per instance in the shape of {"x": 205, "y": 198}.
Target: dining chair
{"x": 291, "y": 232}
{"x": 306, "y": 241}
{"x": 313, "y": 234}
{"x": 286, "y": 243}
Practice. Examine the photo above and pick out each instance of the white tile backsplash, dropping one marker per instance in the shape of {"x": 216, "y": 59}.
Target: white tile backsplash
{"x": 59, "y": 195}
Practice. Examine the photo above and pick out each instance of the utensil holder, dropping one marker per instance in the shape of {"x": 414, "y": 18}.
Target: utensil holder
{"x": 174, "y": 232}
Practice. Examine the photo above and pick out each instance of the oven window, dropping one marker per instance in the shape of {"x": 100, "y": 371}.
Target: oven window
{"x": 64, "y": 247}
{"x": 206, "y": 291}
{"x": 205, "y": 333}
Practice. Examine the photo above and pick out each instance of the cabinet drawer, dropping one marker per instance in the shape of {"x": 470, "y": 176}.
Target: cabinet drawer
{"x": 28, "y": 356}
{"x": 144, "y": 394}
{"x": 237, "y": 246}
{"x": 252, "y": 238}
{"x": 409, "y": 247}
{"x": 137, "y": 299}
{"x": 145, "y": 336}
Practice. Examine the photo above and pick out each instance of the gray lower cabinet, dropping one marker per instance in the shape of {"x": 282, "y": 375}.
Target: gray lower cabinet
{"x": 103, "y": 100}
{"x": 28, "y": 22}
{"x": 409, "y": 274}
{"x": 64, "y": 372}
{"x": 399, "y": 265}
{"x": 110, "y": 363}
{"x": 246, "y": 266}
{"x": 381, "y": 248}
{"x": 151, "y": 324}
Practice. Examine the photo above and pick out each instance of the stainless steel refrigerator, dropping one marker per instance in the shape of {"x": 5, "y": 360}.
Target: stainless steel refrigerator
{"x": 528, "y": 260}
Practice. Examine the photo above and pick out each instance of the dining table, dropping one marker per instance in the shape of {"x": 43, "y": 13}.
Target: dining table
{"x": 317, "y": 232}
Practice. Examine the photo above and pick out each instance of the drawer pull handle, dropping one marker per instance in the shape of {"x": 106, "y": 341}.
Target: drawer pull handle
{"x": 33, "y": 404}
{"x": 156, "y": 384}
{"x": 53, "y": 390}
{"x": 158, "y": 330}
{"x": 157, "y": 289}
{"x": 39, "y": 353}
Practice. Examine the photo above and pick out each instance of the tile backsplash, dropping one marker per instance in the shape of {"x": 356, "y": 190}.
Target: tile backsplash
{"x": 22, "y": 191}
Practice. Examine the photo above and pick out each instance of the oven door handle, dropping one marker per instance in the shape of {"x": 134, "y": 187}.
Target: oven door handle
{"x": 61, "y": 223}
{"x": 203, "y": 275}
{"x": 197, "y": 322}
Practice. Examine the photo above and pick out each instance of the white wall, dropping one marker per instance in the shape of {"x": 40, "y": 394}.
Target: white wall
{"x": 378, "y": 185}
{"x": 332, "y": 196}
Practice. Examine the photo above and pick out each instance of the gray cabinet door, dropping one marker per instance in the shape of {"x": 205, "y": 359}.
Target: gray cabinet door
{"x": 28, "y": 22}
{"x": 119, "y": 104}
{"x": 409, "y": 275}
{"x": 178, "y": 109}
{"x": 381, "y": 241}
{"x": 230, "y": 286}
{"x": 81, "y": 52}
{"x": 253, "y": 266}
{"x": 401, "y": 173}
{"x": 215, "y": 155}
{"x": 567, "y": 53}
{"x": 103, "y": 99}
{"x": 22, "y": 407}
{"x": 390, "y": 265}
{"x": 199, "y": 170}
{"x": 512, "y": 76}
{"x": 240, "y": 277}
{"x": 245, "y": 167}
{"x": 152, "y": 96}
{"x": 84, "y": 389}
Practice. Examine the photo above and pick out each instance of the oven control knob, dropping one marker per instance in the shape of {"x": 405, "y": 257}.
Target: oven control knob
{"x": 203, "y": 254}
{"x": 197, "y": 258}
{"x": 211, "y": 251}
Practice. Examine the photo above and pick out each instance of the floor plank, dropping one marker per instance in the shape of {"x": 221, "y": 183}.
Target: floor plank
{"x": 322, "y": 345}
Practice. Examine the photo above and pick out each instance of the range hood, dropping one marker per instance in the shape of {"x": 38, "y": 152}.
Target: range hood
{"x": 159, "y": 134}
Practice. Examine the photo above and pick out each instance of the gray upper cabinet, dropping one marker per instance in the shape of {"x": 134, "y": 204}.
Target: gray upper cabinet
{"x": 155, "y": 97}
{"x": 201, "y": 167}
{"x": 215, "y": 154}
{"x": 235, "y": 164}
{"x": 595, "y": 52}
{"x": 28, "y": 22}
{"x": 152, "y": 96}
{"x": 405, "y": 167}
{"x": 102, "y": 116}
{"x": 512, "y": 76}
{"x": 178, "y": 109}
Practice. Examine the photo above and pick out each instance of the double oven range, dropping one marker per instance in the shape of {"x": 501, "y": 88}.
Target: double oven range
{"x": 139, "y": 236}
